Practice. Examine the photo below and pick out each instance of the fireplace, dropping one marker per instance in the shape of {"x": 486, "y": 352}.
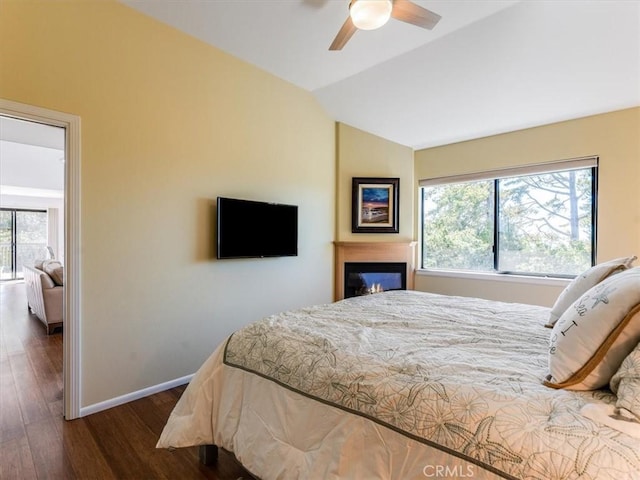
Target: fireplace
{"x": 364, "y": 278}
{"x": 375, "y": 254}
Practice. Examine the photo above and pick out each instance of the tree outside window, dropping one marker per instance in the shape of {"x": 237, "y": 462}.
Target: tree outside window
{"x": 541, "y": 224}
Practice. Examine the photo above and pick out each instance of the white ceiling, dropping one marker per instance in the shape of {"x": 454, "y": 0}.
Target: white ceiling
{"x": 31, "y": 159}
{"x": 488, "y": 67}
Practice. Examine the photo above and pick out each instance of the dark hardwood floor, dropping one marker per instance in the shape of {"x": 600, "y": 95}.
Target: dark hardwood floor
{"x": 119, "y": 443}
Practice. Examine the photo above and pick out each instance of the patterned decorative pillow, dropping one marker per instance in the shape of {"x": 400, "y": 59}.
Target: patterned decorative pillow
{"x": 591, "y": 339}
{"x": 584, "y": 282}
{"x": 626, "y": 385}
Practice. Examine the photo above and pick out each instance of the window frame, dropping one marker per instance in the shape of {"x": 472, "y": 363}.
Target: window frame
{"x": 582, "y": 163}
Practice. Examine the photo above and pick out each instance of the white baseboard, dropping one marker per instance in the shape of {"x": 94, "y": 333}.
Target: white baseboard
{"x": 130, "y": 397}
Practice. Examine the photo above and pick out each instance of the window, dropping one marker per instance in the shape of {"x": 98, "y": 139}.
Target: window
{"x": 534, "y": 220}
{"x": 23, "y": 239}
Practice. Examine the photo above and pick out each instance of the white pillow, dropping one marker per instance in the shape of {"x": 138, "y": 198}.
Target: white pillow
{"x": 626, "y": 385}
{"x": 55, "y": 270}
{"x": 583, "y": 282}
{"x": 591, "y": 339}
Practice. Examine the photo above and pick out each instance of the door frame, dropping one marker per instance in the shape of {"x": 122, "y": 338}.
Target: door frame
{"x": 72, "y": 292}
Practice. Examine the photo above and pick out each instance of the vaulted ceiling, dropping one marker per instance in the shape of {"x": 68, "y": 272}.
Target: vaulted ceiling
{"x": 488, "y": 67}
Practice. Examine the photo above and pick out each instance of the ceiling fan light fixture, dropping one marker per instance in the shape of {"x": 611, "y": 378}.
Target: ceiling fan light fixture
{"x": 370, "y": 14}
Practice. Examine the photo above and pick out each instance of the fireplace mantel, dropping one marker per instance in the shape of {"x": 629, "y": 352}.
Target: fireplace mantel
{"x": 372, "y": 252}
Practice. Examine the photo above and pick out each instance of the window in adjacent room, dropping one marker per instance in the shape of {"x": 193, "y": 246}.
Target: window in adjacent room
{"x": 23, "y": 239}
{"x": 532, "y": 220}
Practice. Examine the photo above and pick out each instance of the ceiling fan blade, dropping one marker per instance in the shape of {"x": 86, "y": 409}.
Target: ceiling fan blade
{"x": 343, "y": 36}
{"x": 407, "y": 11}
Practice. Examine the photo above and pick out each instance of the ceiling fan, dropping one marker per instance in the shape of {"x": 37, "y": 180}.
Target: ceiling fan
{"x": 372, "y": 14}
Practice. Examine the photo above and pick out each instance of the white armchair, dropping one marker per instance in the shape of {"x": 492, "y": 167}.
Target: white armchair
{"x": 44, "y": 297}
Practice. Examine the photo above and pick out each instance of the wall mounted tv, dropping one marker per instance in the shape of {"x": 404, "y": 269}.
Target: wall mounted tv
{"x": 251, "y": 229}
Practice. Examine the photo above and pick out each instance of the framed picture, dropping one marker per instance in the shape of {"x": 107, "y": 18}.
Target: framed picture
{"x": 375, "y": 205}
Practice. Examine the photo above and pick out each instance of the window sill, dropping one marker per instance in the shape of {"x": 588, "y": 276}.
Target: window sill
{"x": 495, "y": 277}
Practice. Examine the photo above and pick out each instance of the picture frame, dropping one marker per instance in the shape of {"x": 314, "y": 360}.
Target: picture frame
{"x": 375, "y": 205}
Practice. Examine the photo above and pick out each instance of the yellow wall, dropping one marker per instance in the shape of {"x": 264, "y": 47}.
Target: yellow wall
{"x": 614, "y": 137}
{"x": 361, "y": 154}
{"x": 168, "y": 124}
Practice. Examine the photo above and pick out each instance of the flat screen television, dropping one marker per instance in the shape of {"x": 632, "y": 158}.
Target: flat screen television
{"x": 252, "y": 229}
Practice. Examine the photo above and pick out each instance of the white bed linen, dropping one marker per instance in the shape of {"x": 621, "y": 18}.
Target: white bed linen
{"x": 483, "y": 410}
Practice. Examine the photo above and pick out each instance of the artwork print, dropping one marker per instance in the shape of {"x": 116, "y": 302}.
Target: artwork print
{"x": 375, "y": 205}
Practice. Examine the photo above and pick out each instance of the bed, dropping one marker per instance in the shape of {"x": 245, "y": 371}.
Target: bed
{"x": 401, "y": 385}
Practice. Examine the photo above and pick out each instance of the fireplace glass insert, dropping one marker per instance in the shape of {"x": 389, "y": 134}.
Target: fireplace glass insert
{"x": 373, "y": 277}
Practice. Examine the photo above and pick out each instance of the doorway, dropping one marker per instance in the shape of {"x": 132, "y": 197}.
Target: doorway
{"x": 68, "y": 246}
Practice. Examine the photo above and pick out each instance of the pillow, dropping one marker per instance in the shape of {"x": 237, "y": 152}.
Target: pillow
{"x": 55, "y": 270}
{"x": 584, "y": 282}
{"x": 626, "y": 385}
{"x": 591, "y": 339}
{"x": 38, "y": 264}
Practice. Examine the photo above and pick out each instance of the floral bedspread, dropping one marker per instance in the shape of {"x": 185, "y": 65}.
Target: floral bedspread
{"x": 461, "y": 374}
